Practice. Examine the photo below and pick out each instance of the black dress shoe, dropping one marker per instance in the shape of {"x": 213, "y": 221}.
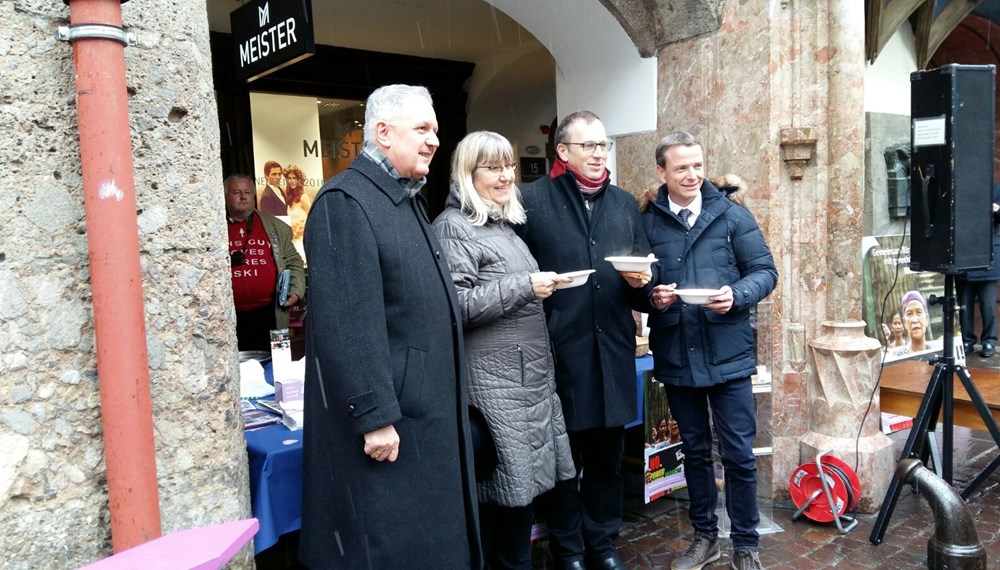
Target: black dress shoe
{"x": 572, "y": 565}
{"x": 989, "y": 349}
{"x": 970, "y": 347}
{"x": 610, "y": 563}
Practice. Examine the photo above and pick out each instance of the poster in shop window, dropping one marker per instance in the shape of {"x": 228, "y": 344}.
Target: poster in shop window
{"x": 287, "y": 175}
{"x": 896, "y": 300}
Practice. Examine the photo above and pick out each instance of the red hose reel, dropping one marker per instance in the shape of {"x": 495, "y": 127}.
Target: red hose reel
{"x": 825, "y": 489}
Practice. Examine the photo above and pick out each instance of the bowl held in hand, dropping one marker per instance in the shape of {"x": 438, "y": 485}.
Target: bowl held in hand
{"x": 697, "y": 296}
{"x": 578, "y": 278}
{"x": 631, "y": 264}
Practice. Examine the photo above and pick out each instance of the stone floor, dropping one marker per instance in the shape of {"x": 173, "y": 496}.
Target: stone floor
{"x": 652, "y": 535}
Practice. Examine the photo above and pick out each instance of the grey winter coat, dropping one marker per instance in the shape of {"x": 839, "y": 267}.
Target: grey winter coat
{"x": 510, "y": 369}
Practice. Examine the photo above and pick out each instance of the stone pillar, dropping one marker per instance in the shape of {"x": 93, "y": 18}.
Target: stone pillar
{"x": 844, "y": 368}
{"x": 845, "y": 111}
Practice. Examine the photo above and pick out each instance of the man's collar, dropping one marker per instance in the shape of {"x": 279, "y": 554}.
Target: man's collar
{"x": 231, "y": 219}
{"x": 412, "y": 186}
{"x": 694, "y": 207}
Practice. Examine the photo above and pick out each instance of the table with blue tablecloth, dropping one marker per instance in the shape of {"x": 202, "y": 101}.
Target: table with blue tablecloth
{"x": 275, "y": 455}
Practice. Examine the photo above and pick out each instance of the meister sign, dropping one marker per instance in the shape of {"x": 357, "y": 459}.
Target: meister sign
{"x": 271, "y": 34}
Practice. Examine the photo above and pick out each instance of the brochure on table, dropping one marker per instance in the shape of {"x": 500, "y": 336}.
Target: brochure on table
{"x": 288, "y": 379}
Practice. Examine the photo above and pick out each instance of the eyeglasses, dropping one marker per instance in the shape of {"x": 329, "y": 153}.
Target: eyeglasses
{"x": 591, "y": 146}
{"x": 498, "y": 168}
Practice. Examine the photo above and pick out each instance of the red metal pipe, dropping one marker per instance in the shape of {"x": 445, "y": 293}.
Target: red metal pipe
{"x": 115, "y": 276}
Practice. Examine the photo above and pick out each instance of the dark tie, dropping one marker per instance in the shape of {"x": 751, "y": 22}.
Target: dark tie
{"x": 684, "y": 213}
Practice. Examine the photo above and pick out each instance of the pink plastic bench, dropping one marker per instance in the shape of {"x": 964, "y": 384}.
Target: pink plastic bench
{"x": 205, "y": 548}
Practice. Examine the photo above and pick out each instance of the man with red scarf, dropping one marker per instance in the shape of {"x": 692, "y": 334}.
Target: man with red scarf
{"x": 576, "y": 218}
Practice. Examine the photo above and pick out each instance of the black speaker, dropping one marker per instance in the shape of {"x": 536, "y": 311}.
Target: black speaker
{"x": 951, "y": 167}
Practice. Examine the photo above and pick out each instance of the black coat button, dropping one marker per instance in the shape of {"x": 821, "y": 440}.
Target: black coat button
{"x": 351, "y": 408}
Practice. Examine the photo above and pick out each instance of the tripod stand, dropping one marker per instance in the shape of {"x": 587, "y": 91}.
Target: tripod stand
{"x": 938, "y": 400}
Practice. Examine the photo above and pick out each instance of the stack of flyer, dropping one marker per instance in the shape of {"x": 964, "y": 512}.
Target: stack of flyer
{"x": 891, "y": 423}
{"x": 288, "y": 380}
{"x": 255, "y": 417}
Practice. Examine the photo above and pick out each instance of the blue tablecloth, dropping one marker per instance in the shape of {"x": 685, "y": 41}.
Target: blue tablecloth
{"x": 275, "y": 455}
{"x": 642, "y": 365}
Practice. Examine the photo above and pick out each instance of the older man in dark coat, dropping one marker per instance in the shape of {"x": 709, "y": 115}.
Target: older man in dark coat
{"x": 576, "y": 218}
{"x": 387, "y": 468}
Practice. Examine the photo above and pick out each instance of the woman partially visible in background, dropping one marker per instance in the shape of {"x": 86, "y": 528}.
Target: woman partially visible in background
{"x": 894, "y": 333}
{"x": 915, "y": 322}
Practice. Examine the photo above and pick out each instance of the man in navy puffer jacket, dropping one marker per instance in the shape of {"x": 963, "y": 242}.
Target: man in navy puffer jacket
{"x": 704, "y": 354}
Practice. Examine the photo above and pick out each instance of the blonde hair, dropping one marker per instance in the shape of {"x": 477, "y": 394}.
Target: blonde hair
{"x": 477, "y": 149}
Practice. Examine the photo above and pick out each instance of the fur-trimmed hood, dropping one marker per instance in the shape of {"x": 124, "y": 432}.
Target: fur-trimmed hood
{"x": 730, "y": 184}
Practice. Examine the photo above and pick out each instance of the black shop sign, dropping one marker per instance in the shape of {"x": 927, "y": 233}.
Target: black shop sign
{"x": 271, "y": 34}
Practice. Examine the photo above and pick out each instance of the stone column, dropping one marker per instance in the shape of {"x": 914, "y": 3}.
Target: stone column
{"x": 844, "y": 368}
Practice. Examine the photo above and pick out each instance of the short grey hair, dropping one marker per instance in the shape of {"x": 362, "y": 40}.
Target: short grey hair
{"x": 483, "y": 148}
{"x": 385, "y": 103}
{"x": 238, "y": 176}
{"x": 675, "y": 138}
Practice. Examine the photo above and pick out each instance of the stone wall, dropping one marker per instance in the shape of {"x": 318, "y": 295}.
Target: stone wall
{"x": 775, "y": 73}
{"x": 882, "y": 131}
{"x": 53, "y": 489}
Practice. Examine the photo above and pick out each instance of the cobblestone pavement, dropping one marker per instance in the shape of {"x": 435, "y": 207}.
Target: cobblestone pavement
{"x": 653, "y": 535}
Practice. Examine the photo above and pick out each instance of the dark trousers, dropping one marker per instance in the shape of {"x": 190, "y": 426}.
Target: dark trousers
{"x": 584, "y": 515}
{"x": 986, "y": 293}
{"x": 506, "y": 535}
{"x": 253, "y": 328}
{"x": 735, "y": 421}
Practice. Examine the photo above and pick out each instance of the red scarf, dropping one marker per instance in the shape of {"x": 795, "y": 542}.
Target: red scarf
{"x": 586, "y": 185}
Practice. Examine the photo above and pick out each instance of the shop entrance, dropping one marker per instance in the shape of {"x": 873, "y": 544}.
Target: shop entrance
{"x": 312, "y": 113}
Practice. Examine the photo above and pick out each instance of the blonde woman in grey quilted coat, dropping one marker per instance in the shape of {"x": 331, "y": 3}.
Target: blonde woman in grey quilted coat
{"x": 511, "y": 378}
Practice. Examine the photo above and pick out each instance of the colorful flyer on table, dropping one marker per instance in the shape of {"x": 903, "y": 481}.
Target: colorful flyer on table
{"x": 281, "y": 355}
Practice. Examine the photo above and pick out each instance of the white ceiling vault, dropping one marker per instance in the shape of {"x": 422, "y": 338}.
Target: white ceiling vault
{"x": 580, "y": 41}
{"x": 459, "y": 30}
